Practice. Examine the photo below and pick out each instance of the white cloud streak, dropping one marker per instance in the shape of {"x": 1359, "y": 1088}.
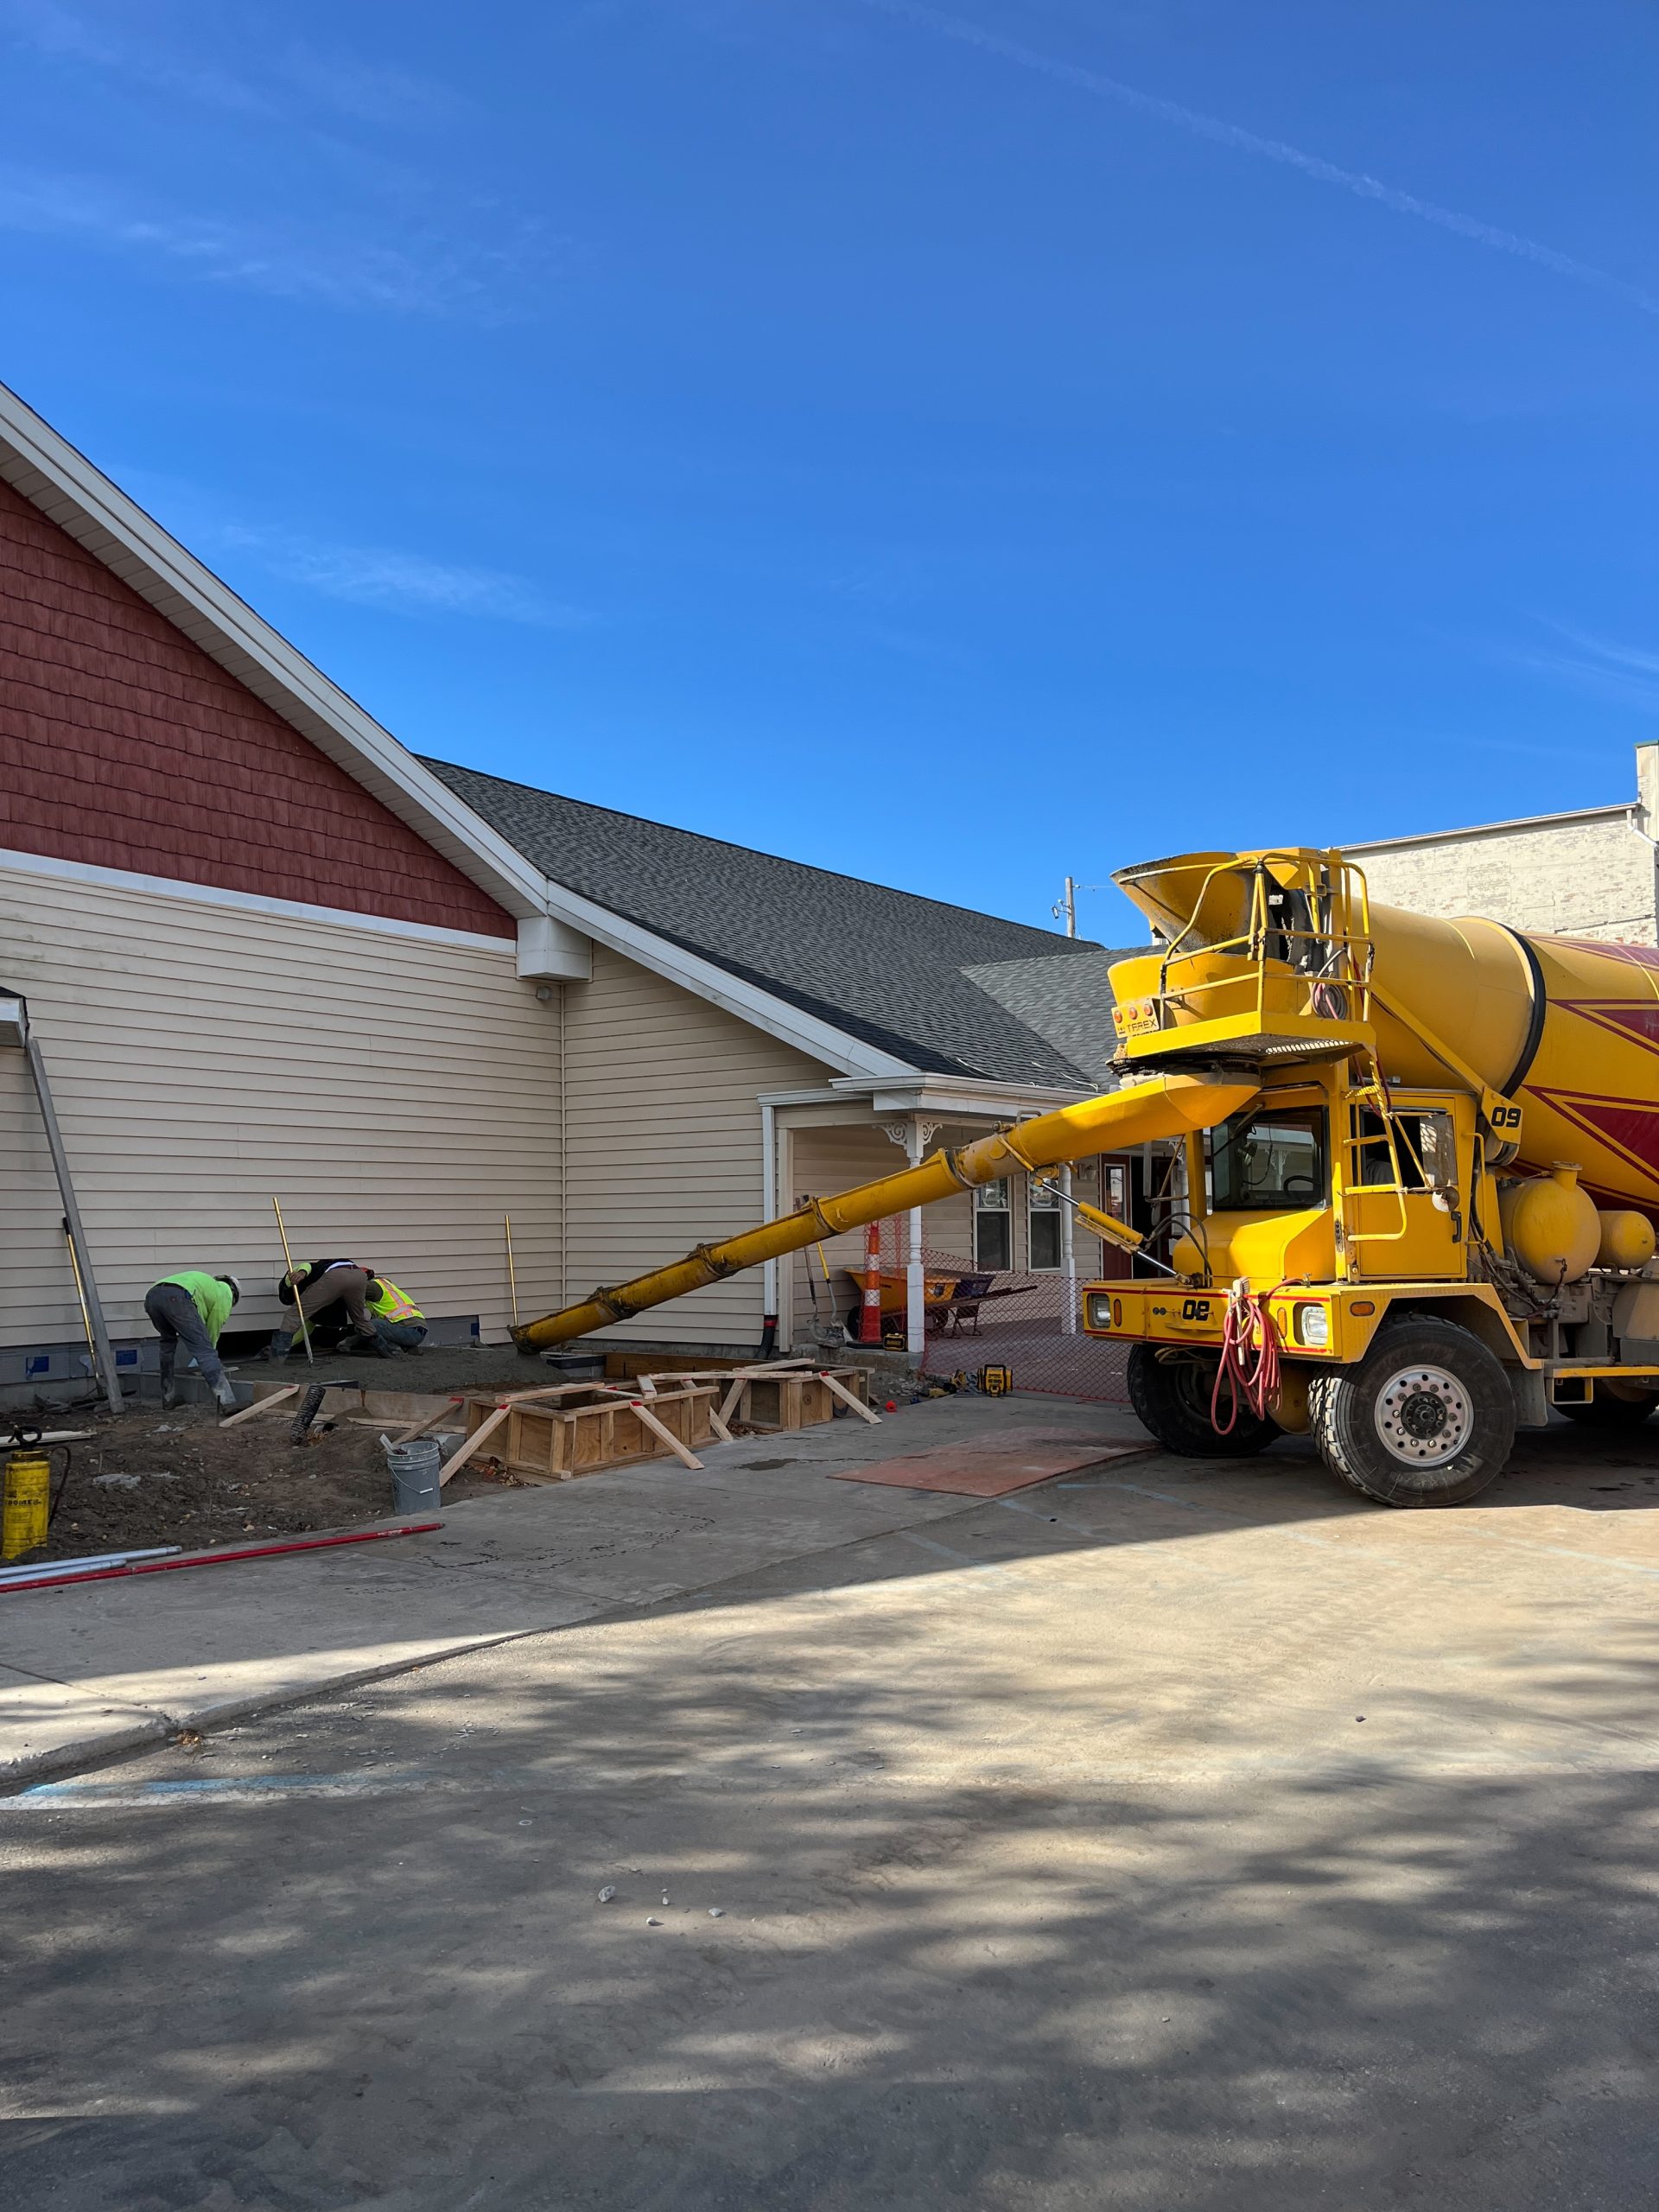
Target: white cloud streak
{"x": 1627, "y": 675}
{"x": 286, "y": 76}
{"x": 446, "y": 278}
{"x": 1242, "y": 140}
{"x": 402, "y": 583}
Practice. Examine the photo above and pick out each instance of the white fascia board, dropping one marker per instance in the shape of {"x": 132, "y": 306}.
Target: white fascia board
{"x": 248, "y": 902}
{"x": 819, "y": 1041}
{"x": 49, "y": 473}
{"x": 820, "y": 1095}
{"x": 948, "y": 1095}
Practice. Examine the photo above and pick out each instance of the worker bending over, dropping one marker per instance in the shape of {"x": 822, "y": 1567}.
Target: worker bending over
{"x": 398, "y": 1321}
{"x": 326, "y": 1294}
{"x": 191, "y": 1308}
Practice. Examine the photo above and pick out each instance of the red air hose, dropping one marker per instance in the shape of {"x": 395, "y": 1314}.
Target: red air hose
{"x": 1249, "y": 1359}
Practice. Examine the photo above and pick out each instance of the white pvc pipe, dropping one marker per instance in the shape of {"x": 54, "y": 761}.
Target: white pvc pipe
{"x": 82, "y": 1565}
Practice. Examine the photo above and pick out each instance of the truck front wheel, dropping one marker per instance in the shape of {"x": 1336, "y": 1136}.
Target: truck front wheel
{"x": 1172, "y": 1398}
{"x": 1426, "y": 1418}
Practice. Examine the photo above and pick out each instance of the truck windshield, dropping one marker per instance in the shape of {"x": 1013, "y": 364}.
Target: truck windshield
{"x": 1260, "y": 1162}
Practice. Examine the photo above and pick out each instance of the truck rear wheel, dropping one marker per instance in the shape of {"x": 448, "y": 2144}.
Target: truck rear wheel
{"x": 1172, "y": 1399}
{"x": 1426, "y": 1418}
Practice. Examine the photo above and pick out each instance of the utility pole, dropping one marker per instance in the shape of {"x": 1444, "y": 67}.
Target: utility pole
{"x": 1067, "y": 907}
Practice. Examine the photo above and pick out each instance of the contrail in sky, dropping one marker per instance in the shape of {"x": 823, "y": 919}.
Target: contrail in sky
{"x": 1270, "y": 149}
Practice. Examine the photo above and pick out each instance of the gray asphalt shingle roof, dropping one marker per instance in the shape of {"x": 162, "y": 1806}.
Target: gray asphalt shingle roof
{"x": 943, "y": 989}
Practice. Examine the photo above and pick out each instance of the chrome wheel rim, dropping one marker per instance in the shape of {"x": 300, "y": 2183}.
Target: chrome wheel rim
{"x": 1423, "y": 1416}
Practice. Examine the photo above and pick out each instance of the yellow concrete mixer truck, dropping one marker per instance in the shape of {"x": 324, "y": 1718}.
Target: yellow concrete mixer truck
{"x": 1407, "y": 1174}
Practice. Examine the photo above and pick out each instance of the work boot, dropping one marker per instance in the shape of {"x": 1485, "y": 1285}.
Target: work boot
{"x": 279, "y": 1347}
{"x": 369, "y": 1348}
{"x": 170, "y": 1396}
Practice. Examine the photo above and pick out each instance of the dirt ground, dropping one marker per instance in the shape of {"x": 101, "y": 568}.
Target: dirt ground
{"x": 180, "y": 1478}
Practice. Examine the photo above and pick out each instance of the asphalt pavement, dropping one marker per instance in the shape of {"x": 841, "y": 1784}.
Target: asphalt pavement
{"x": 1167, "y": 1835}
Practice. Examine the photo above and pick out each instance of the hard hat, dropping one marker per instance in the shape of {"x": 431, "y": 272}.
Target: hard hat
{"x": 236, "y": 1288}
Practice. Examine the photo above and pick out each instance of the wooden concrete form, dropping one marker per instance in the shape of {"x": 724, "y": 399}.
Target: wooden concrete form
{"x": 579, "y": 1428}
{"x": 797, "y": 1395}
{"x": 395, "y": 1408}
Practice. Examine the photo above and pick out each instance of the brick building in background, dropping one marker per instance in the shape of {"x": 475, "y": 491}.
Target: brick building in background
{"x": 1592, "y": 872}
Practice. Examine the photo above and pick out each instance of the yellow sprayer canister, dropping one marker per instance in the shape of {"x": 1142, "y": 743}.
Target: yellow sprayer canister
{"x": 1627, "y": 1241}
{"x": 1550, "y": 1225}
{"x": 22, "y": 1516}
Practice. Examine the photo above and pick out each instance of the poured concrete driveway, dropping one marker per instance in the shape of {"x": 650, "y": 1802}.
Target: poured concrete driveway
{"x": 1171, "y": 1837}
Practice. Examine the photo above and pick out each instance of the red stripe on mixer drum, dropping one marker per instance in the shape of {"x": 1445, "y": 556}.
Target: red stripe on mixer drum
{"x": 1639, "y": 1021}
{"x": 1625, "y": 1126}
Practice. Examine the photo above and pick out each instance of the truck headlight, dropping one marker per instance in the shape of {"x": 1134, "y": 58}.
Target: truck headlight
{"x": 1100, "y": 1311}
{"x": 1313, "y": 1326}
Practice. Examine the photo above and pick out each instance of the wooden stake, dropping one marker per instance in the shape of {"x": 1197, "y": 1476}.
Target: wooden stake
{"x": 288, "y": 1263}
{"x": 857, "y": 1404}
{"x": 485, "y": 1430}
{"x": 426, "y": 1422}
{"x": 264, "y": 1405}
{"x": 661, "y": 1429}
{"x": 512, "y": 1279}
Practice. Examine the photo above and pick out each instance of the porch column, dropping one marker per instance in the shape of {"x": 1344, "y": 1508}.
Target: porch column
{"x": 1068, "y": 1254}
{"x": 915, "y": 1135}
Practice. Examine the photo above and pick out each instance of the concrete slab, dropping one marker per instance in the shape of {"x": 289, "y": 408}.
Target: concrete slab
{"x": 48, "y": 1728}
{"x": 87, "y": 1668}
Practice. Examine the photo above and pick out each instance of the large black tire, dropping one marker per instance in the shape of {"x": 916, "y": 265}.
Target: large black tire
{"x": 1172, "y": 1399}
{"x": 1428, "y": 1417}
{"x": 1606, "y": 1410}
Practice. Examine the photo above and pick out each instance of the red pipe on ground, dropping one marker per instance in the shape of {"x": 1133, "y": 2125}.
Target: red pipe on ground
{"x": 222, "y": 1558}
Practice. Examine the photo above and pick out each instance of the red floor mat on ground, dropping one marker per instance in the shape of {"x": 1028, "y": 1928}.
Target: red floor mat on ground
{"x": 1012, "y": 1461}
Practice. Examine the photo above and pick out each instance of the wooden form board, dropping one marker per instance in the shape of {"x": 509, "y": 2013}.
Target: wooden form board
{"x": 776, "y": 1398}
{"x": 580, "y": 1427}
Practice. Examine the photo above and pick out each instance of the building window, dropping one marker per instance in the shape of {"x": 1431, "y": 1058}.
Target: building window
{"x": 992, "y": 1227}
{"x": 1043, "y": 1227}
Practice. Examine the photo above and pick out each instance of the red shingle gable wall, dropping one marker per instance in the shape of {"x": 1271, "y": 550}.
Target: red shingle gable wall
{"x": 122, "y": 744}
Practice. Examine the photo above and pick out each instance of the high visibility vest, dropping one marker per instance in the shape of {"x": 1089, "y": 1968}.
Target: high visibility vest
{"x": 392, "y": 1304}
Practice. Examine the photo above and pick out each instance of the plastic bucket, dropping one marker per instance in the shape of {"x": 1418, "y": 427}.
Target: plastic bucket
{"x": 414, "y": 1467}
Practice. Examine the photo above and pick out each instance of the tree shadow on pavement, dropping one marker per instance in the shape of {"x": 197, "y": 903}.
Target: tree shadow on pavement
{"x": 1040, "y": 1884}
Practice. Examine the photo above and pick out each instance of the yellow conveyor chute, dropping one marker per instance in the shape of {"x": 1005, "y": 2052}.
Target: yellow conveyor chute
{"x": 1168, "y": 1106}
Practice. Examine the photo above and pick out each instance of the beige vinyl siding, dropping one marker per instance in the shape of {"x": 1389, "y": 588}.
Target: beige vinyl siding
{"x": 399, "y": 1094}
{"x": 662, "y": 1093}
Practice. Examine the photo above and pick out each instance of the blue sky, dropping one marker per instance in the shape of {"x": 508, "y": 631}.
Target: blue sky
{"x": 956, "y": 447}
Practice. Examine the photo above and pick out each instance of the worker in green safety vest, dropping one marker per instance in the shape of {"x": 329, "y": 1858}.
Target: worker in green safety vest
{"x": 191, "y": 1308}
{"x": 398, "y": 1321}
